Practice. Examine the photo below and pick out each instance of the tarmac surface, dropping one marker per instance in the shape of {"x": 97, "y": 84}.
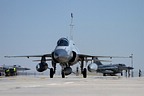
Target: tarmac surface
{"x": 71, "y": 86}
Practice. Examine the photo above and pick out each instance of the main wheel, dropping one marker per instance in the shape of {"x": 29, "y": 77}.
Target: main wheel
{"x": 51, "y": 72}
{"x": 104, "y": 74}
{"x": 121, "y": 73}
{"x": 63, "y": 74}
{"x": 84, "y": 73}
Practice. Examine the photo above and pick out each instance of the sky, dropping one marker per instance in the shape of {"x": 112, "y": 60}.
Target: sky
{"x": 101, "y": 28}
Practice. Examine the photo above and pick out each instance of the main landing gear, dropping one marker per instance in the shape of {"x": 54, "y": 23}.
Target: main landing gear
{"x": 67, "y": 70}
{"x": 63, "y": 74}
{"x": 51, "y": 72}
{"x": 83, "y": 70}
{"x": 84, "y": 73}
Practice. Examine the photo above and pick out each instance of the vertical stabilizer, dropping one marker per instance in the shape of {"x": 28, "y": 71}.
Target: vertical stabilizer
{"x": 97, "y": 61}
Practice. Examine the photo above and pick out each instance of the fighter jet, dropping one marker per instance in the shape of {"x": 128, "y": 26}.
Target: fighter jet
{"x": 66, "y": 54}
{"x": 11, "y": 70}
{"x": 110, "y": 69}
{"x": 18, "y": 67}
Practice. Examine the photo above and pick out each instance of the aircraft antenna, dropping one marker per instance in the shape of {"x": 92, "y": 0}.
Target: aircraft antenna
{"x": 71, "y": 27}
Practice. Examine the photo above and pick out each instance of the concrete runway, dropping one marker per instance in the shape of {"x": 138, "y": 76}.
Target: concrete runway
{"x": 71, "y": 86}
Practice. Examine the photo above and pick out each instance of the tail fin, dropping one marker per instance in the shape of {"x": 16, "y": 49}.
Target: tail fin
{"x": 97, "y": 61}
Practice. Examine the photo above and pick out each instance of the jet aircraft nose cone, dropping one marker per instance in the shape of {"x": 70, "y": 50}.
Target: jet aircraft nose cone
{"x": 61, "y": 55}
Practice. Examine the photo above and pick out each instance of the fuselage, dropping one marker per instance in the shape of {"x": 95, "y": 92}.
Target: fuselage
{"x": 115, "y": 68}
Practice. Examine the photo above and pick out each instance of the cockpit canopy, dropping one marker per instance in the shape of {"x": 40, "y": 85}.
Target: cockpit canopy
{"x": 63, "y": 42}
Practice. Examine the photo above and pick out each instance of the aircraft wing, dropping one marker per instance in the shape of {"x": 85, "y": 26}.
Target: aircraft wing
{"x": 80, "y": 55}
{"x": 28, "y": 56}
{"x": 92, "y": 56}
{"x": 22, "y": 69}
{"x": 127, "y": 68}
{"x": 84, "y": 57}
